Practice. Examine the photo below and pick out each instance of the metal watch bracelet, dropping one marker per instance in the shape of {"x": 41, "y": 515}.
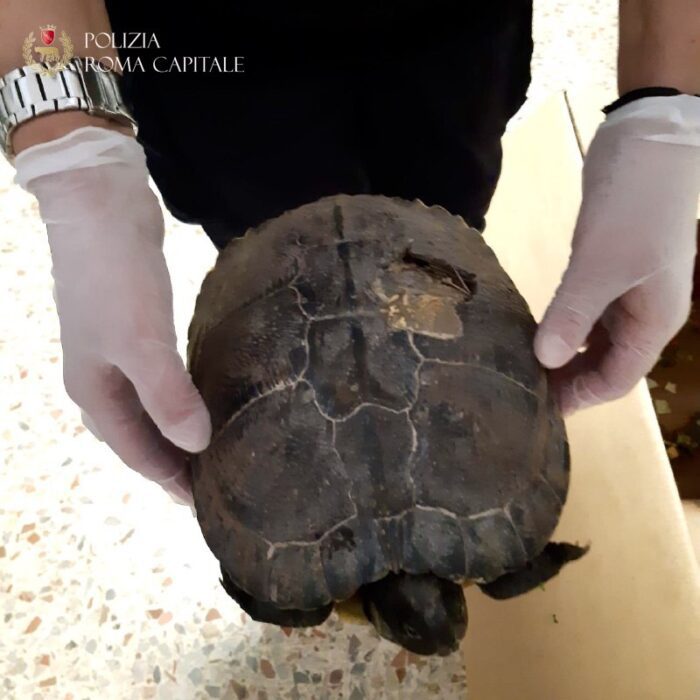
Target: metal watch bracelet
{"x": 25, "y": 94}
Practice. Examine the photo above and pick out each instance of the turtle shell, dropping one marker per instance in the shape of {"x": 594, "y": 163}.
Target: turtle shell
{"x": 376, "y": 404}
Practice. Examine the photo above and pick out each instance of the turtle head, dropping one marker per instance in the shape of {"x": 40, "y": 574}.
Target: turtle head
{"x": 421, "y": 612}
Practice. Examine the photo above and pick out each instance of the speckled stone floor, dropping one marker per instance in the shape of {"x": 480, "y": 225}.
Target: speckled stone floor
{"x": 107, "y": 588}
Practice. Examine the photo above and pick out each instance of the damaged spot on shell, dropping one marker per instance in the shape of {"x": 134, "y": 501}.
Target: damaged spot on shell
{"x": 410, "y": 298}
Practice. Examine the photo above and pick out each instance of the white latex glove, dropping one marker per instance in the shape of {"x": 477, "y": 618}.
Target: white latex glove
{"x": 627, "y": 289}
{"x": 114, "y": 300}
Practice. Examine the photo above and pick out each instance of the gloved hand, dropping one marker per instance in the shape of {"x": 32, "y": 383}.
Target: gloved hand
{"x": 114, "y": 300}
{"x": 626, "y": 291}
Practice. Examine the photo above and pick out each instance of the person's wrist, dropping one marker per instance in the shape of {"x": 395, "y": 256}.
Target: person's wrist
{"x": 673, "y": 119}
{"x": 84, "y": 147}
{"x": 52, "y": 126}
{"x": 642, "y": 92}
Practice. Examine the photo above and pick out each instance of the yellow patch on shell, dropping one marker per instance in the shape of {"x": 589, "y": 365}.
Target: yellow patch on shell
{"x": 350, "y": 610}
{"x": 411, "y": 300}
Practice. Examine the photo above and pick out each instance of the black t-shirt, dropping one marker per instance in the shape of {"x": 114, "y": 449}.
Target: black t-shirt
{"x": 283, "y": 34}
{"x": 200, "y": 129}
{"x": 335, "y": 16}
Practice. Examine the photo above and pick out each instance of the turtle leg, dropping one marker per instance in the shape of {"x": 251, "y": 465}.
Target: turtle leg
{"x": 540, "y": 569}
{"x": 269, "y": 612}
{"x": 423, "y": 613}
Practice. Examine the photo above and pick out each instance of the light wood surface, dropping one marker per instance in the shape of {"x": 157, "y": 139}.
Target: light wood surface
{"x": 624, "y": 622}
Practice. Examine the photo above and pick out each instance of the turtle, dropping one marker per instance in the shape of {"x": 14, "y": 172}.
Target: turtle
{"x": 382, "y": 431}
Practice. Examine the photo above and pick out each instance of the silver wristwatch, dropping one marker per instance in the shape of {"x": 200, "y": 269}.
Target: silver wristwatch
{"x": 26, "y": 93}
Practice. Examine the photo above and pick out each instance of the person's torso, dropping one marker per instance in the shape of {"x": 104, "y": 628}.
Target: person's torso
{"x": 281, "y": 27}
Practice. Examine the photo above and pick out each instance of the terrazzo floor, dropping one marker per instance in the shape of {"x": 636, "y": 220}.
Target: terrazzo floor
{"x": 107, "y": 588}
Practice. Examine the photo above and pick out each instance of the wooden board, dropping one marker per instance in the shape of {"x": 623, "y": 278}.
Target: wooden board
{"x": 692, "y": 517}
{"x": 624, "y": 622}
